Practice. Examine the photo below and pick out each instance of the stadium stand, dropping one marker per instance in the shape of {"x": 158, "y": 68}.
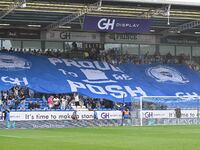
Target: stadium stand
{"x": 33, "y": 101}
{"x": 62, "y": 30}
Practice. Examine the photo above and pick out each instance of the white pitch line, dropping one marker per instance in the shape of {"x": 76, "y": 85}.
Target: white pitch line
{"x": 12, "y": 136}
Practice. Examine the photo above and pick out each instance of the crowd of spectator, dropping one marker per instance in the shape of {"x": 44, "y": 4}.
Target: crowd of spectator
{"x": 13, "y": 99}
{"x": 112, "y": 56}
{"x": 22, "y": 99}
{"x": 116, "y": 58}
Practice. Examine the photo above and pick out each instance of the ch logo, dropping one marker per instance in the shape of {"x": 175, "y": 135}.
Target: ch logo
{"x": 65, "y": 35}
{"x": 15, "y": 81}
{"x": 148, "y": 114}
{"x": 105, "y": 115}
{"x": 105, "y": 24}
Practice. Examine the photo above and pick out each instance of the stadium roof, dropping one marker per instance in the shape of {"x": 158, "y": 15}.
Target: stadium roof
{"x": 41, "y": 13}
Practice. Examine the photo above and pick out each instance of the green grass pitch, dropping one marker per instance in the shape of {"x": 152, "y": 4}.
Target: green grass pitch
{"x": 105, "y": 138}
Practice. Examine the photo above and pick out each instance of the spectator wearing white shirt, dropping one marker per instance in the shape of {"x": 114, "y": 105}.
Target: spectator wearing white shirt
{"x": 76, "y": 99}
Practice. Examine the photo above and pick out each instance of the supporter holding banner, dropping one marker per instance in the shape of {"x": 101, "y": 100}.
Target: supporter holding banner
{"x": 96, "y": 79}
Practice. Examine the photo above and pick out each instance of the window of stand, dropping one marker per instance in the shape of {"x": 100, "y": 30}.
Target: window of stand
{"x": 14, "y": 44}
{"x": 147, "y": 49}
{"x": 196, "y": 53}
{"x": 54, "y": 46}
{"x": 186, "y": 50}
{"x": 165, "y": 49}
{"x": 132, "y": 49}
{"x": 68, "y": 46}
{"x": 33, "y": 45}
{"x": 115, "y": 47}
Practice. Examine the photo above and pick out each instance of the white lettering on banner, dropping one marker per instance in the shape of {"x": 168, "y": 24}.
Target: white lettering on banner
{"x": 63, "y": 115}
{"x": 115, "y": 68}
{"x": 68, "y": 73}
{"x": 93, "y": 74}
{"x": 105, "y": 24}
{"x": 15, "y": 81}
{"x": 117, "y": 77}
{"x": 96, "y": 89}
{"x": 63, "y": 71}
{"x": 108, "y": 89}
{"x": 135, "y": 92}
{"x": 115, "y": 89}
{"x": 168, "y": 114}
{"x": 85, "y": 64}
{"x": 54, "y": 61}
{"x": 96, "y": 75}
{"x": 75, "y": 85}
{"x": 69, "y": 62}
{"x": 73, "y": 74}
{"x": 122, "y": 77}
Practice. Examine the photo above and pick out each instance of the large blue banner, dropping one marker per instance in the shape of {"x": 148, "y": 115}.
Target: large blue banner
{"x": 96, "y": 79}
{"x": 114, "y": 24}
{"x": 27, "y": 70}
{"x": 165, "y": 80}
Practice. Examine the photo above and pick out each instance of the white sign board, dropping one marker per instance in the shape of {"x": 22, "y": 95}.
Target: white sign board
{"x": 73, "y": 36}
{"x": 63, "y": 115}
{"x": 129, "y": 38}
{"x": 50, "y": 115}
{"x": 109, "y": 114}
{"x": 168, "y": 114}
